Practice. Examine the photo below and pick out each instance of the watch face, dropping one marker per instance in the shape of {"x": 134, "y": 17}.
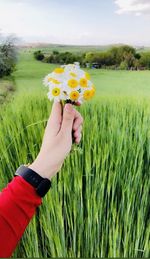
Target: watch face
{"x": 17, "y": 172}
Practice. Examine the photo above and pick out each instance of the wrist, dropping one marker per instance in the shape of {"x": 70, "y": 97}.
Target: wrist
{"x": 38, "y": 167}
{"x": 41, "y": 185}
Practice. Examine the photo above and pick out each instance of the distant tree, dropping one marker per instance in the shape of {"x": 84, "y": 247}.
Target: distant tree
{"x": 129, "y": 59}
{"x": 39, "y": 55}
{"x": 49, "y": 59}
{"x": 137, "y": 56}
{"x": 137, "y": 64}
{"x": 8, "y": 56}
{"x": 63, "y": 58}
{"x": 123, "y": 65}
{"x": 115, "y": 56}
{"x": 122, "y": 57}
{"x": 123, "y": 53}
{"x": 104, "y": 59}
{"x": 55, "y": 52}
{"x": 145, "y": 60}
{"x": 89, "y": 57}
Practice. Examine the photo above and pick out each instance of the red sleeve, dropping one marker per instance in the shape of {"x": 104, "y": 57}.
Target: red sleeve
{"x": 18, "y": 203}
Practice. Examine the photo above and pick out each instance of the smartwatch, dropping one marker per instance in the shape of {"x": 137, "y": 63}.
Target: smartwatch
{"x": 42, "y": 185}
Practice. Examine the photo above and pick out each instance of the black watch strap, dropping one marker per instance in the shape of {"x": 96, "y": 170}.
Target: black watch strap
{"x": 42, "y": 185}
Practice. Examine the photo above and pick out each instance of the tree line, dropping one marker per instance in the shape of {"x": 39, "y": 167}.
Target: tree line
{"x": 121, "y": 57}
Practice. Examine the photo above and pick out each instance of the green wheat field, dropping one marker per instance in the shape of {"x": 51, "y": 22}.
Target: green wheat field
{"x": 99, "y": 205}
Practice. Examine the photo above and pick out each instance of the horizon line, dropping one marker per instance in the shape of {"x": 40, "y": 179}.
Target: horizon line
{"x": 82, "y": 45}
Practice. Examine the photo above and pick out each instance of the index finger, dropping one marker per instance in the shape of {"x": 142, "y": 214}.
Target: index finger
{"x": 78, "y": 121}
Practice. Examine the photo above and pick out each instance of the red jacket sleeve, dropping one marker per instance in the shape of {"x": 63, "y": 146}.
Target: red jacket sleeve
{"x": 18, "y": 203}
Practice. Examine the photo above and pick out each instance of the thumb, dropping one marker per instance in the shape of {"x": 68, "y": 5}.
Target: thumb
{"x": 68, "y": 118}
{"x": 54, "y": 122}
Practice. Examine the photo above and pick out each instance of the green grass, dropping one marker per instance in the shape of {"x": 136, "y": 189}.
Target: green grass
{"x": 122, "y": 83}
{"x": 109, "y": 83}
{"x": 99, "y": 203}
{"x": 7, "y": 87}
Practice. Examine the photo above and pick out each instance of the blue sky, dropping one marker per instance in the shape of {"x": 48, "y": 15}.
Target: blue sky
{"x": 77, "y": 21}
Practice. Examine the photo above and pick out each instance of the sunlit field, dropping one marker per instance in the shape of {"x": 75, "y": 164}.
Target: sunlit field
{"x": 99, "y": 203}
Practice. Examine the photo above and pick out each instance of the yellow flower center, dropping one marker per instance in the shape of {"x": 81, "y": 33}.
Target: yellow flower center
{"x": 73, "y": 74}
{"x": 56, "y": 92}
{"x": 74, "y": 95}
{"x": 87, "y": 95}
{"x": 59, "y": 70}
{"x": 83, "y": 82}
{"x": 73, "y": 83}
{"x": 87, "y": 75}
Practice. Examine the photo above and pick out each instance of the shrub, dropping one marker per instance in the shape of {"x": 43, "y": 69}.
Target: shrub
{"x": 122, "y": 57}
{"x": 39, "y": 55}
{"x": 145, "y": 60}
{"x": 63, "y": 58}
{"x": 123, "y": 65}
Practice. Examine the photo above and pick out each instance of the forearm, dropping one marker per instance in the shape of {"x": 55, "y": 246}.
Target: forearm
{"x": 18, "y": 203}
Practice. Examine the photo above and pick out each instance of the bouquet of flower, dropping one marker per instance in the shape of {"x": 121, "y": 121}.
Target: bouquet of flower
{"x": 69, "y": 83}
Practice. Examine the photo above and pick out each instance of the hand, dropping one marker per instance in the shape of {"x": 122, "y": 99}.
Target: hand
{"x": 57, "y": 140}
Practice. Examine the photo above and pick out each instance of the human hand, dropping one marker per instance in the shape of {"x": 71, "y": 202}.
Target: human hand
{"x": 57, "y": 140}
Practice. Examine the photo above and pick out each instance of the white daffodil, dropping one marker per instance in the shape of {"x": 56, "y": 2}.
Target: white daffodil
{"x": 73, "y": 95}
{"x": 74, "y": 71}
{"x": 51, "y": 81}
{"x": 57, "y": 94}
{"x": 47, "y": 80}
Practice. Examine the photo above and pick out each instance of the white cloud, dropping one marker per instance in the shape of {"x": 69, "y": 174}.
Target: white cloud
{"x": 138, "y": 7}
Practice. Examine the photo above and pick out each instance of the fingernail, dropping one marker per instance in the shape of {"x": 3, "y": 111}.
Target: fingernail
{"x": 78, "y": 104}
{"x": 69, "y": 107}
